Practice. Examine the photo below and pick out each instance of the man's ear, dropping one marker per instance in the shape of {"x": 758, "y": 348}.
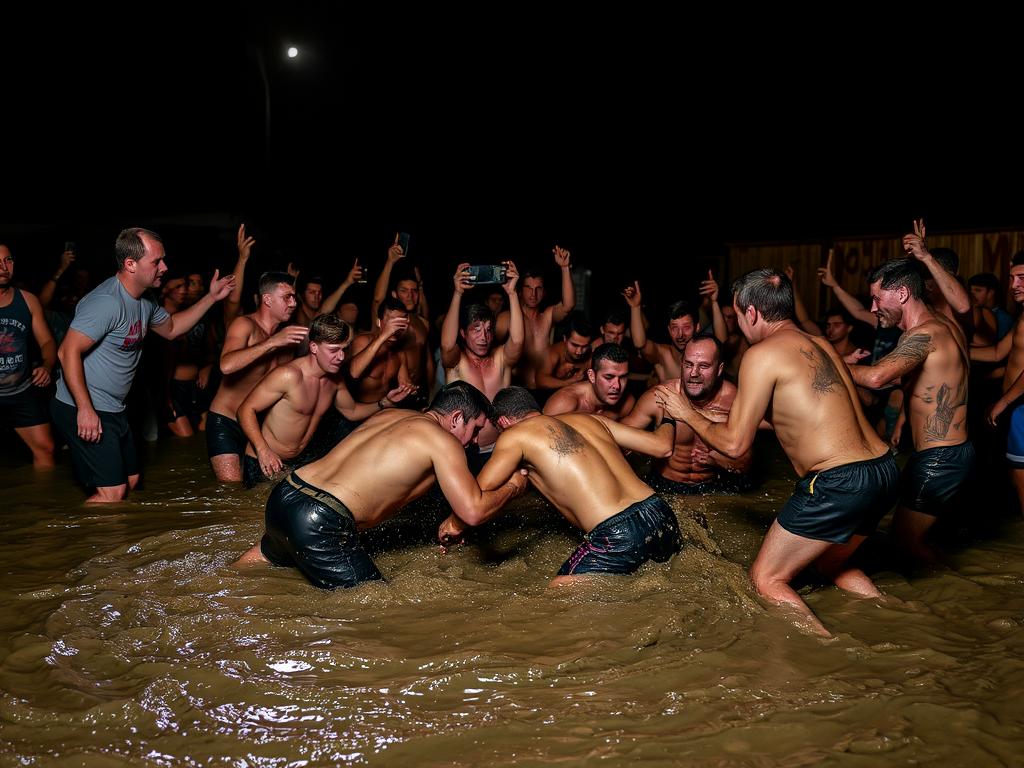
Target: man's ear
{"x": 904, "y": 294}
{"x": 751, "y": 314}
{"x": 591, "y": 375}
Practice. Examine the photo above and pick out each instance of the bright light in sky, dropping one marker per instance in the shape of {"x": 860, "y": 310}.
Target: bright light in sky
{"x": 293, "y": 52}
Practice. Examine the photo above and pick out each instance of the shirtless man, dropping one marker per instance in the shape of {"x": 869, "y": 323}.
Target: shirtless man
{"x": 1011, "y": 345}
{"x": 576, "y": 462}
{"x": 604, "y": 391}
{"x": 252, "y": 347}
{"x": 537, "y": 323}
{"x": 295, "y": 397}
{"x": 314, "y": 515}
{"x": 408, "y": 289}
{"x": 683, "y": 325}
{"x": 377, "y": 365}
{"x": 694, "y": 468}
{"x": 311, "y": 295}
{"x": 567, "y": 361}
{"x": 467, "y": 345}
{"x": 932, "y": 361}
{"x": 803, "y": 387}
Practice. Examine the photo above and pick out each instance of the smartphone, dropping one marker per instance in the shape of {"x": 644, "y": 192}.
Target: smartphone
{"x": 490, "y": 274}
{"x": 69, "y": 246}
{"x": 403, "y": 240}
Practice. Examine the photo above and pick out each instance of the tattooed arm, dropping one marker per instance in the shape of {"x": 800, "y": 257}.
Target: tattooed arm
{"x": 909, "y": 353}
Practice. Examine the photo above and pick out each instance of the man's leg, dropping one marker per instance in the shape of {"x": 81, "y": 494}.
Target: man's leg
{"x": 39, "y": 439}
{"x": 227, "y": 467}
{"x": 108, "y": 494}
{"x": 783, "y": 555}
{"x": 832, "y": 565}
{"x": 252, "y": 557}
{"x": 909, "y": 528}
{"x": 1017, "y": 475}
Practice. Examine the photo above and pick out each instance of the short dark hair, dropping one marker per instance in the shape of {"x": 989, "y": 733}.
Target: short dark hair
{"x": 534, "y": 273}
{"x": 474, "y": 313}
{"x": 615, "y": 317}
{"x": 899, "y": 273}
{"x": 306, "y": 280}
{"x": 706, "y": 337}
{"x": 329, "y": 329}
{"x": 578, "y": 323}
{"x": 841, "y": 312}
{"x": 1017, "y": 259}
{"x": 129, "y": 245}
{"x": 947, "y": 258}
{"x": 390, "y": 303}
{"x": 985, "y": 280}
{"x": 682, "y": 309}
{"x": 612, "y": 352}
{"x": 461, "y": 396}
{"x": 768, "y": 291}
{"x": 270, "y": 280}
{"x": 513, "y": 403}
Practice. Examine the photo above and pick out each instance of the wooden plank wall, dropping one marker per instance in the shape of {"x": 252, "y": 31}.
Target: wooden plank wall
{"x": 854, "y": 258}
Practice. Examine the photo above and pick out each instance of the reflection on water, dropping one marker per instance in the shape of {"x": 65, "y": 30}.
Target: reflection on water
{"x": 126, "y": 638}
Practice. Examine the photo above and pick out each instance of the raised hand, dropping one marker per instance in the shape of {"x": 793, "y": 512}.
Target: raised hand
{"x": 395, "y": 252}
{"x": 66, "y": 260}
{"x": 709, "y": 287}
{"x": 561, "y": 256}
{"x": 511, "y": 277}
{"x": 825, "y": 273}
{"x": 394, "y": 327}
{"x": 220, "y": 287}
{"x": 856, "y": 356}
{"x": 789, "y": 272}
{"x": 292, "y": 270}
{"x": 914, "y": 244}
{"x": 244, "y": 242}
{"x": 355, "y": 274}
{"x": 632, "y": 294}
{"x": 463, "y": 281}
{"x": 292, "y": 334}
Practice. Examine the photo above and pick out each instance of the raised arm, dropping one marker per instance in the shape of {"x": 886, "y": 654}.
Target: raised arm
{"x": 450, "y": 328}
{"x": 802, "y": 318}
{"x": 329, "y": 304}
{"x": 952, "y": 291}
{"x": 709, "y": 288}
{"x": 233, "y": 303}
{"x": 380, "y": 288}
{"x": 361, "y": 360}
{"x": 237, "y": 355}
{"x": 854, "y": 307}
{"x": 423, "y": 308}
{"x": 50, "y": 286}
{"x": 513, "y": 346}
{"x": 647, "y": 348}
{"x": 182, "y": 322}
{"x": 568, "y": 301}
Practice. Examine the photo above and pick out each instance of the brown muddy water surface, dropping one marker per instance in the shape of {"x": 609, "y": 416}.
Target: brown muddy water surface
{"x": 126, "y": 639}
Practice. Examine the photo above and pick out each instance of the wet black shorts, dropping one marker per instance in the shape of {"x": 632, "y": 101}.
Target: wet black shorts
{"x": 224, "y": 435}
{"x": 646, "y": 530}
{"x": 107, "y": 463}
{"x": 185, "y": 401}
{"x": 834, "y": 504}
{"x": 933, "y": 476}
{"x": 725, "y": 483}
{"x": 311, "y": 530}
{"x": 25, "y": 409}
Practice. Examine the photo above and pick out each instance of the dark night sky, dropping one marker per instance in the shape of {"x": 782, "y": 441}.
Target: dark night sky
{"x": 640, "y": 137}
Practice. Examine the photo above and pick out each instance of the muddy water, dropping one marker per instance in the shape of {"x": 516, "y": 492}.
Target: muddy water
{"x": 125, "y": 638}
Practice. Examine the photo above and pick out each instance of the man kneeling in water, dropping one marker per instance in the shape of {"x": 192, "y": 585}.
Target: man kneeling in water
{"x": 314, "y": 515}
{"x": 574, "y": 460}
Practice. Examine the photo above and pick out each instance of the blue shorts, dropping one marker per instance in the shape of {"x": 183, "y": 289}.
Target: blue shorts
{"x": 1015, "y": 440}
{"x": 933, "y": 476}
{"x": 834, "y": 504}
{"x": 646, "y": 530}
{"x": 313, "y": 531}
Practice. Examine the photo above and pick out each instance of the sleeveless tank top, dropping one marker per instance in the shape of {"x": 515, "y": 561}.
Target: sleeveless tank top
{"x": 15, "y": 327}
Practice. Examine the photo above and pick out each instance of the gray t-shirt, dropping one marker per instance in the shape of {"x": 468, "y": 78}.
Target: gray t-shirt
{"x": 117, "y": 322}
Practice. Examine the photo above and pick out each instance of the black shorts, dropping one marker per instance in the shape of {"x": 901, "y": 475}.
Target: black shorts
{"x": 933, "y": 476}
{"x": 311, "y": 530}
{"x": 105, "y": 464}
{"x": 646, "y": 530}
{"x": 24, "y": 409}
{"x": 834, "y": 504}
{"x": 726, "y": 483}
{"x": 187, "y": 400}
{"x": 224, "y": 435}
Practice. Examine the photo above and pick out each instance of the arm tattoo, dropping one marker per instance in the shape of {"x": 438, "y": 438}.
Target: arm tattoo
{"x": 913, "y": 349}
{"x": 825, "y": 373}
{"x": 564, "y": 439}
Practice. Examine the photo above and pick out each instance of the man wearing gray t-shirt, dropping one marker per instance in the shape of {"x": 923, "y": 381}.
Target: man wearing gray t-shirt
{"x": 99, "y": 356}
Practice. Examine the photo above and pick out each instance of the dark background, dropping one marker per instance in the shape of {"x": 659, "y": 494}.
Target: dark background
{"x": 644, "y": 142}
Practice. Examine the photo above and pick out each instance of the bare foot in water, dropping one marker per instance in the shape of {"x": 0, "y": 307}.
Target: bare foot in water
{"x": 253, "y": 557}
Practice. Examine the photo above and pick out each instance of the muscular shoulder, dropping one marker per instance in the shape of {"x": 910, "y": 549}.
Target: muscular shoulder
{"x": 565, "y": 400}
{"x": 361, "y": 341}
{"x": 30, "y": 299}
